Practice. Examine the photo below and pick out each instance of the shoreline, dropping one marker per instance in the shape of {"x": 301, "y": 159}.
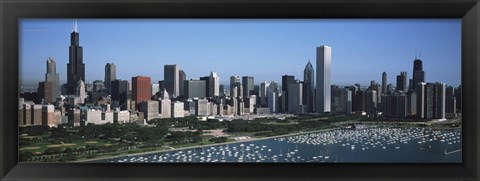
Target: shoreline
{"x": 234, "y": 142}
{"x": 199, "y": 146}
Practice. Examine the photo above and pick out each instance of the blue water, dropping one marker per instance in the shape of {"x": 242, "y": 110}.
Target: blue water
{"x": 371, "y": 145}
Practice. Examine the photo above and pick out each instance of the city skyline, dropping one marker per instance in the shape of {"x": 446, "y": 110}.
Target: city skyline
{"x": 282, "y": 61}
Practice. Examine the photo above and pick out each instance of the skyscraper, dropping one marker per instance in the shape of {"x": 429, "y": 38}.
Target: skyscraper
{"x": 194, "y": 88}
{"x": 75, "y": 66}
{"x": 181, "y": 77}
{"x": 384, "y": 82}
{"x": 371, "y": 102}
{"x": 120, "y": 93}
{"x": 324, "y": 54}
{"x": 458, "y": 98}
{"x": 431, "y": 98}
{"x": 295, "y": 97}
{"x": 234, "y": 81}
{"x": 53, "y": 77}
{"x": 150, "y": 109}
{"x": 341, "y": 100}
{"x": 45, "y": 92}
{"x": 439, "y": 100}
{"x": 207, "y": 85}
{"x": 110, "y": 75}
{"x": 420, "y": 91}
{"x": 418, "y": 73}
{"x": 308, "y": 87}
{"x": 286, "y": 79}
{"x": 214, "y": 84}
{"x": 171, "y": 79}
{"x": 450, "y": 103}
{"x": 247, "y": 83}
{"x": 80, "y": 92}
{"x": 222, "y": 90}
{"x": 165, "y": 105}
{"x": 395, "y": 105}
{"x": 402, "y": 82}
{"x": 263, "y": 93}
{"x": 273, "y": 97}
{"x": 141, "y": 89}
{"x": 155, "y": 89}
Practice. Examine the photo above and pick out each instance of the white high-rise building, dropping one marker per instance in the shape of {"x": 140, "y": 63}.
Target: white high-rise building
{"x": 81, "y": 91}
{"x": 94, "y": 116}
{"x": 178, "y": 109}
{"x": 165, "y": 105}
{"x": 324, "y": 55}
{"x": 273, "y": 97}
{"x": 155, "y": 89}
{"x": 214, "y": 86}
{"x": 150, "y": 109}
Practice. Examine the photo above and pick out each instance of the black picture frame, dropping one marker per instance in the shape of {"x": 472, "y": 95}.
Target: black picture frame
{"x": 11, "y": 11}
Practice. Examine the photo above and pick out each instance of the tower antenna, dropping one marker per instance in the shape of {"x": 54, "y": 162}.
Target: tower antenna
{"x": 75, "y": 25}
{"x": 416, "y": 52}
{"x": 420, "y": 56}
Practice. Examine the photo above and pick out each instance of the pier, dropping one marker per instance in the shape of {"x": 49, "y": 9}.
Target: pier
{"x": 450, "y": 152}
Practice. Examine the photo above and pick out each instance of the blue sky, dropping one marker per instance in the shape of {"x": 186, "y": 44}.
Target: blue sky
{"x": 265, "y": 49}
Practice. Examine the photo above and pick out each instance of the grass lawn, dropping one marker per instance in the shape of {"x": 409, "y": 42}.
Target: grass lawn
{"x": 278, "y": 123}
{"x": 204, "y": 142}
{"x": 41, "y": 147}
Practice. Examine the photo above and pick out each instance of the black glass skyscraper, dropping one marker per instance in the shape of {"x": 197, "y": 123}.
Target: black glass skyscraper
{"x": 418, "y": 73}
{"x": 75, "y": 66}
{"x": 384, "y": 82}
{"x": 119, "y": 90}
{"x": 402, "y": 82}
{"x": 286, "y": 79}
{"x": 171, "y": 79}
{"x": 308, "y": 87}
{"x": 110, "y": 75}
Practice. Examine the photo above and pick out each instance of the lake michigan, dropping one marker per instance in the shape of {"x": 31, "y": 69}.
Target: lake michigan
{"x": 362, "y": 145}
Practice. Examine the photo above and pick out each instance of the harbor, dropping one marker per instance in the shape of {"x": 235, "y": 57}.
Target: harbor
{"x": 367, "y": 145}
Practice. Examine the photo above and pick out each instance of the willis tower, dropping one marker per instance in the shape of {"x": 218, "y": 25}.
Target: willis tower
{"x": 75, "y": 66}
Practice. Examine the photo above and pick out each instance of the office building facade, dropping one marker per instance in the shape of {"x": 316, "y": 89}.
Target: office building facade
{"x": 323, "y": 92}
{"x": 214, "y": 85}
{"x": 402, "y": 82}
{"x": 295, "y": 97}
{"x": 248, "y": 85}
{"x": 171, "y": 79}
{"x": 53, "y": 77}
{"x": 141, "y": 89}
{"x": 194, "y": 88}
{"x": 110, "y": 75}
{"x": 309, "y": 87}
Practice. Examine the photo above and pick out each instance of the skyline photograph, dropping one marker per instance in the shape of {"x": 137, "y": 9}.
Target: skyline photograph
{"x": 238, "y": 90}
{"x": 269, "y": 48}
